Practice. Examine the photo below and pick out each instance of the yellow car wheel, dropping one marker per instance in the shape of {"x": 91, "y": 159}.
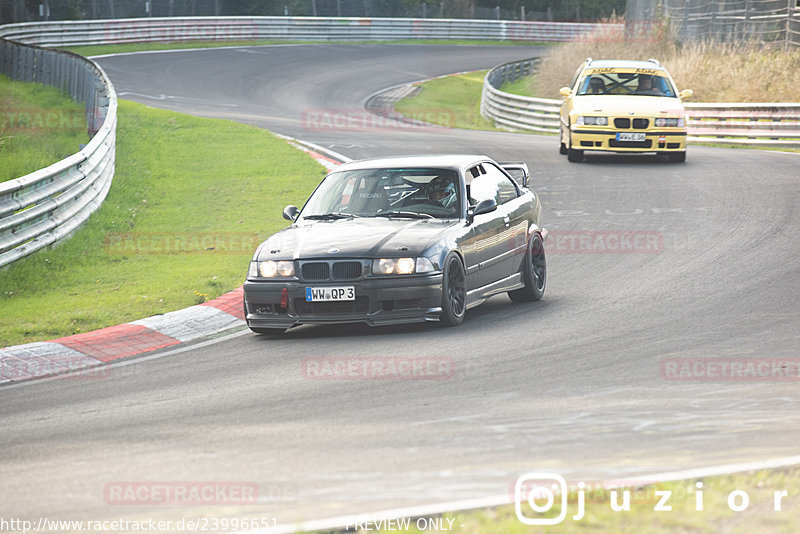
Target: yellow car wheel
{"x": 575, "y": 156}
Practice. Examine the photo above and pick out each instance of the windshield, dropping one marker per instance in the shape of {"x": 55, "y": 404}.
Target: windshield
{"x": 625, "y": 82}
{"x": 411, "y": 193}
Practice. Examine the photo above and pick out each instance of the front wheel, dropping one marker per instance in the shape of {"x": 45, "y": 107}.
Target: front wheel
{"x": 534, "y": 273}
{"x": 454, "y": 291}
{"x": 574, "y": 156}
{"x": 677, "y": 157}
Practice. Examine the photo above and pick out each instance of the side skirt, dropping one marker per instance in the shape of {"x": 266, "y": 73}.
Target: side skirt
{"x": 479, "y": 295}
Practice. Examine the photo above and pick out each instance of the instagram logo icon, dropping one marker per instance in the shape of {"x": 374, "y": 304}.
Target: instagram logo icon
{"x": 535, "y": 493}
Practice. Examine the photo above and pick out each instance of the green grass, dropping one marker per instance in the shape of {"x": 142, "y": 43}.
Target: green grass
{"x": 521, "y": 86}
{"x": 179, "y": 179}
{"x": 452, "y": 101}
{"x": 715, "y": 516}
{"x": 98, "y": 50}
{"x": 39, "y": 126}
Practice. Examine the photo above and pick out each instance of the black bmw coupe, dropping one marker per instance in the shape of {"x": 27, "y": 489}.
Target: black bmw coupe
{"x": 400, "y": 240}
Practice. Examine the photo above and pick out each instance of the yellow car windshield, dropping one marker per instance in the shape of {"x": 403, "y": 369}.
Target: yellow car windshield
{"x": 642, "y": 82}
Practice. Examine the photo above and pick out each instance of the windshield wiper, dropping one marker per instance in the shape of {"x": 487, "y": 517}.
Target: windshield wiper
{"x": 411, "y": 214}
{"x": 329, "y": 216}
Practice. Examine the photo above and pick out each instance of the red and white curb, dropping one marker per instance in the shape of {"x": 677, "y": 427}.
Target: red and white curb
{"x": 324, "y": 156}
{"x": 88, "y": 355}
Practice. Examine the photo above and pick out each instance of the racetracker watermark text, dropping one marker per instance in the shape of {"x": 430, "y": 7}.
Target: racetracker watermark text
{"x": 180, "y": 493}
{"x": 59, "y": 367}
{"x": 730, "y": 369}
{"x": 605, "y": 242}
{"x": 361, "y": 120}
{"x": 376, "y": 368}
{"x": 33, "y": 120}
{"x": 171, "y": 243}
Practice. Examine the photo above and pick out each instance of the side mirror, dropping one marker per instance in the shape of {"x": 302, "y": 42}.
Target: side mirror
{"x": 290, "y": 213}
{"x": 565, "y": 91}
{"x": 484, "y": 206}
{"x": 686, "y": 93}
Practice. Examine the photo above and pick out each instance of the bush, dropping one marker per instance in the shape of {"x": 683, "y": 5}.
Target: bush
{"x": 717, "y": 72}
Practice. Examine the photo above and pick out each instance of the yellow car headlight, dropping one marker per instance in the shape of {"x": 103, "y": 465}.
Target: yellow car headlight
{"x": 671, "y": 123}
{"x": 592, "y": 121}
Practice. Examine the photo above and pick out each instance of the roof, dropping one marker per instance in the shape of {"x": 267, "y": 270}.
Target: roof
{"x": 447, "y": 161}
{"x": 623, "y": 64}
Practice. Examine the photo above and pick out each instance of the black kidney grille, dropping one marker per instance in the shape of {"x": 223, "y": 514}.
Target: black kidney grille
{"x": 640, "y": 124}
{"x": 347, "y": 270}
{"x": 622, "y": 123}
{"x": 316, "y": 271}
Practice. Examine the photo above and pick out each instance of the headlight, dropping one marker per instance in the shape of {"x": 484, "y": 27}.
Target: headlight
{"x": 592, "y": 121}
{"x": 273, "y": 269}
{"x": 405, "y": 266}
{"x": 401, "y": 265}
{"x": 672, "y": 123}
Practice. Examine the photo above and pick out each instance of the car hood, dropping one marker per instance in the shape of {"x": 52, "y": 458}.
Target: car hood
{"x": 619, "y": 106}
{"x": 360, "y": 237}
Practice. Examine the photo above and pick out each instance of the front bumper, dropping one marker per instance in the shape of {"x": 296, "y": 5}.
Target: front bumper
{"x": 379, "y": 301}
{"x": 606, "y": 140}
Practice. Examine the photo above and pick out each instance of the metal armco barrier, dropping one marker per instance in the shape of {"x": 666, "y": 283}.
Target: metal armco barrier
{"x": 767, "y": 125}
{"x": 44, "y": 206}
{"x": 515, "y": 111}
{"x": 71, "y": 33}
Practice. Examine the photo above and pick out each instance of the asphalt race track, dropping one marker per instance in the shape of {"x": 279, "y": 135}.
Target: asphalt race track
{"x": 577, "y": 384}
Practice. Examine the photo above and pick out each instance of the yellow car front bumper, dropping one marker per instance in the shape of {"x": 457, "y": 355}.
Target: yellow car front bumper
{"x": 608, "y": 140}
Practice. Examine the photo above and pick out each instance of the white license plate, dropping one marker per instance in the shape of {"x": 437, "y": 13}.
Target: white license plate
{"x": 630, "y": 136}
{"x": 320, "y": 294}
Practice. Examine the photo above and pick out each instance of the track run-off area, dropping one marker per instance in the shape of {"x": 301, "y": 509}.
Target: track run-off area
{"x": 649, "y": 264}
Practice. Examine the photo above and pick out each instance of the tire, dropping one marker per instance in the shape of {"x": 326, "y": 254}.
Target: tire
{"x": 562, "y": 149}
{"x": 575, "y": 156}
{"x": 677, "y": 157}
{"x": 454, "y": 291}
{"x": 534, "y": 273}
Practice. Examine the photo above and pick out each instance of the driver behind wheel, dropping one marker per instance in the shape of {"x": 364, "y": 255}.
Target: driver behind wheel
{"x": 442, "y": 192}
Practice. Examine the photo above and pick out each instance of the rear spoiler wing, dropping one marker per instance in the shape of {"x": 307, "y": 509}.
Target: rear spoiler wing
{"x": 518, "y": 170}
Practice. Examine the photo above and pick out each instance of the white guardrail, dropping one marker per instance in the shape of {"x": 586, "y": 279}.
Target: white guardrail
{"x": 72, "y": 33}
{"x": 763, "y": 124}
{"x": 44, "y": 206}
{"x": 40, "y": 208}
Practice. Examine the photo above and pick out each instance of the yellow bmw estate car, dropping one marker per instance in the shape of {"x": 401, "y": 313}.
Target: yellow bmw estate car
{"x": 623, "y": 106}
